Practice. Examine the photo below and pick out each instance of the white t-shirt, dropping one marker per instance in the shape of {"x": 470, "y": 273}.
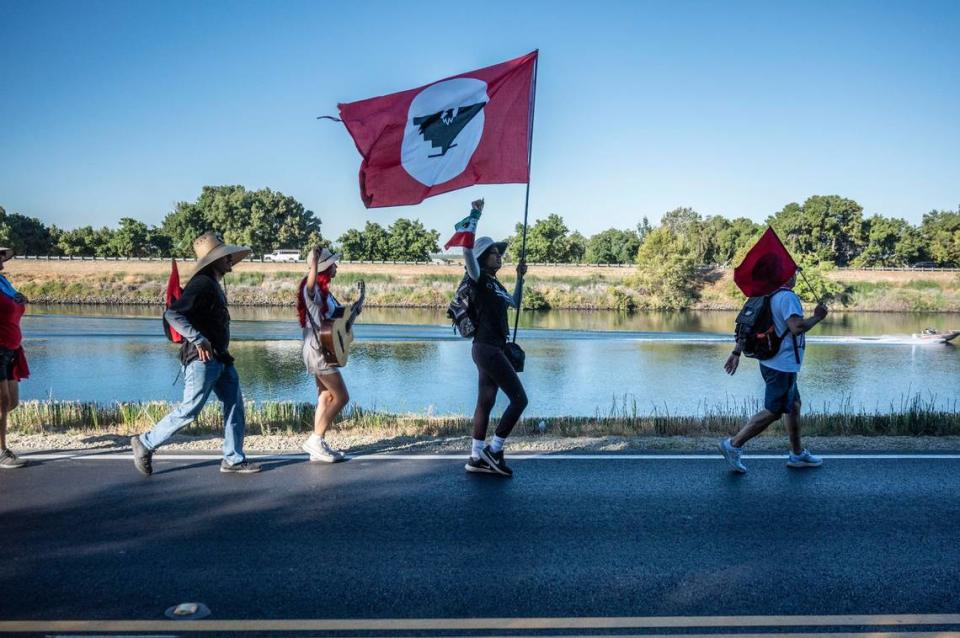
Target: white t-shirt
{"x": 314, "y": 310}
{"x": 783, "y": 305}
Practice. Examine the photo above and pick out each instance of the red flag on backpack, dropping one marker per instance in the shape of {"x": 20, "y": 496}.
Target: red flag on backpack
{"x": 472, "y": 128}
{"x": 173, "y": 293}
{"x": 766, "y": 267}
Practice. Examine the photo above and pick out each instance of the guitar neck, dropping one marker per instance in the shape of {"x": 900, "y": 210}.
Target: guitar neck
{"x": 354, "y": 315}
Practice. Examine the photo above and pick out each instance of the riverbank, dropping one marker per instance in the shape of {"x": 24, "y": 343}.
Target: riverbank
{"x": 916, "y": 418}
{"x": 432, "y": 286}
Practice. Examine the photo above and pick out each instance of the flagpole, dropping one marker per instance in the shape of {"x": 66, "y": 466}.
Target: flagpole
{"x": 815, "y": 296}
{"x": 526, "y": 204}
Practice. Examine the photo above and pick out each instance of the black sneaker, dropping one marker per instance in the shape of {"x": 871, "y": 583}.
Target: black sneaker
{"x": 495, "y": 461}
{"x": 478, "y": 466}
{"x": 10, "y": 461}
{"x": 243, "y": 467}
{"x": 142, "y": 457}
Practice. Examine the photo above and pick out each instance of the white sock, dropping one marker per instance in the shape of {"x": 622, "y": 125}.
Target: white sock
{"x": 497, "y": 444}
{"x": 315, "y": 438}
{"x": 475, "y": 450}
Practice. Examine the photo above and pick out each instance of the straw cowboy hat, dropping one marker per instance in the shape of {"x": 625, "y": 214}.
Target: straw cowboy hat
{"x": 325, "y": 259}
{"x": 209, "y": 247}
{"x": 6, "y": 254}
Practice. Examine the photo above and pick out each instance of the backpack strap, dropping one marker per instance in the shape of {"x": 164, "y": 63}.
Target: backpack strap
{"x": 793, "y": 337}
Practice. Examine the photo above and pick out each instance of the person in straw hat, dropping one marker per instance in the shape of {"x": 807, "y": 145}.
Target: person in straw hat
{"x": 201, "y": 316}
{"x": 13, "y": 361}
{"x": 315, "y": 303}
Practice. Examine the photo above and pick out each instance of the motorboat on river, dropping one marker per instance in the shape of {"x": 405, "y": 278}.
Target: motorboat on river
{"x": 936, "y": 336}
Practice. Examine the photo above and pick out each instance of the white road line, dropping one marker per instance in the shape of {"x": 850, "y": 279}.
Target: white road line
{"x": 114, "y": 456}
{"x": 889, "y": 622}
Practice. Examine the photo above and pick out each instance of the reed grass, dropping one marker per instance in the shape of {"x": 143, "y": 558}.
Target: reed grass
{"x": 909, "y": 416}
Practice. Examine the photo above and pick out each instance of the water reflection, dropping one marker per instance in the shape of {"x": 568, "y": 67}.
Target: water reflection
{"x": 703, "y": 321}
{"x": 663, "y": 362}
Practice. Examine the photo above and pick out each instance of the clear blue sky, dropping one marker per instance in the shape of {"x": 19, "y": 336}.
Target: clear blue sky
{"x": 112, "y": 109}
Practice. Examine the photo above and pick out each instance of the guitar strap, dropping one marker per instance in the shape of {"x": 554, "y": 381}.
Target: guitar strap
{"x": 316, "y": 329}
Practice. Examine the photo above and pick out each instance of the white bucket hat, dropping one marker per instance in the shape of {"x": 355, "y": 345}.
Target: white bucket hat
{"x": 326, "y": 259}
{"x": 483, "y": 244}
{"x": 209, "y": 247}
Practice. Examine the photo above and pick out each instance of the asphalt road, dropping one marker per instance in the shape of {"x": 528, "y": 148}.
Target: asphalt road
{"x": 406, "y": 538}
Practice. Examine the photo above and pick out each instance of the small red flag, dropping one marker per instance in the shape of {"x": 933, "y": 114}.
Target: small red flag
{"x": 766, "y": 267}
{"x": 173, "y": 293}
{"x": 472, "y": 128}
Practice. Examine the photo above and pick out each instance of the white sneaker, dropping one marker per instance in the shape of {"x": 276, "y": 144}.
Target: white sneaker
{"x": 320, "y": 450}
{"x": 804, "y": 459}
{"x": 732, "y": 455}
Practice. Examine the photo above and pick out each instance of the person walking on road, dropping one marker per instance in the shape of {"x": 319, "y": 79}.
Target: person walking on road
{"x": 315, "y": 303}
{"x": 13, "y": 361}
{"x": 201, "y": 316}
{"x": 782, "y": 396}
{"x": 495, "y": 371}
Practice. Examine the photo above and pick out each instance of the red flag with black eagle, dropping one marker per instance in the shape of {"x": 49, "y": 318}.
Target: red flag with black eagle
{"x": 468, "y": 129}
{"x": 766, "y": 267}
{"x": 173, "y": 293}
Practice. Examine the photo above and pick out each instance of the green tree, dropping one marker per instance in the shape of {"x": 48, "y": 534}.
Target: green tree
{"x": 613, "y": 246}
{"x": 686, "y": 226}
{"x": 370, "y": 244}
{"x": 25, "y": 235}
{"x": 725, "y": 238}
{"x": 264, "y": 220}
{"x": 890, "y": 242}
{"x": 667, "y": 272}
{"x": 131, "y": 239}
{"x": 548, "y": 241}
{"x": 409, "y": 240}
{"x": 829, "y": 228}
{"x": 577, "y": 247}
{"x": 940, "y": 230}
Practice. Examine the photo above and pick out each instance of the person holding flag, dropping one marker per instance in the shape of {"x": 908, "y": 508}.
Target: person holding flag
{"x": 483, "y": 258}
{"x": 769, "y": 273}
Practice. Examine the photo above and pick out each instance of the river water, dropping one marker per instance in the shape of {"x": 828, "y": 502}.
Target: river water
{"x": 578, "y": 363}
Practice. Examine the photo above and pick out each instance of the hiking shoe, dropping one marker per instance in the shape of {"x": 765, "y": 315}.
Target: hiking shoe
{"x": 804, "y": 459}
{"x": 243, "y": 467}
{"x": 732, "y": 455}
{"x": 478, "y": 466}
{"x": 320, "y": 450}
{"x": 142, "y": 456}
{"x": 495, "y": 461}
{"x": 10, "y": 461}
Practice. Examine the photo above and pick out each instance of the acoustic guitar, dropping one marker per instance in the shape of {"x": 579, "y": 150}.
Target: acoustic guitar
{"x": 336, "y": 334}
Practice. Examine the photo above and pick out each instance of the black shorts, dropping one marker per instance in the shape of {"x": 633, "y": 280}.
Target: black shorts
{"x": 782, "y": 391}
{"x": 8, "y": 361}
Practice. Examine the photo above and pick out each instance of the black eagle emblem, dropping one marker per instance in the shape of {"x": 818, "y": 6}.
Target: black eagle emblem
{"x": 441, "y": 128}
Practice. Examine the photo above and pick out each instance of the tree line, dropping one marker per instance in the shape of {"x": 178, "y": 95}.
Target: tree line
{"x": 825, "y": 229}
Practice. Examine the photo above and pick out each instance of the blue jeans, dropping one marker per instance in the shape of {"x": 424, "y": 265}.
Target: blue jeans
{"x": 199, "y": 380}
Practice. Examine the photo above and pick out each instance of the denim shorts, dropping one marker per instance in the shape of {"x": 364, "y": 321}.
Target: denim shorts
{"x": 782, "y": 391}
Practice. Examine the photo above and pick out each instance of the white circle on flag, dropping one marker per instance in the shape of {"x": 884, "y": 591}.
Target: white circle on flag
{"x": 443, "y": 129}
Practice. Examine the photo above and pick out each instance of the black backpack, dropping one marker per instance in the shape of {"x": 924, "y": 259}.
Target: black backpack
{"x": 462, "y": 310}
{"x": 756, "y": 332}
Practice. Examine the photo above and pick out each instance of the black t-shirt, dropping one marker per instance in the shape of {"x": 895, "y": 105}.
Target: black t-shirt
{"x": 204, "y": 304}
{"x": 491, "y": 303}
